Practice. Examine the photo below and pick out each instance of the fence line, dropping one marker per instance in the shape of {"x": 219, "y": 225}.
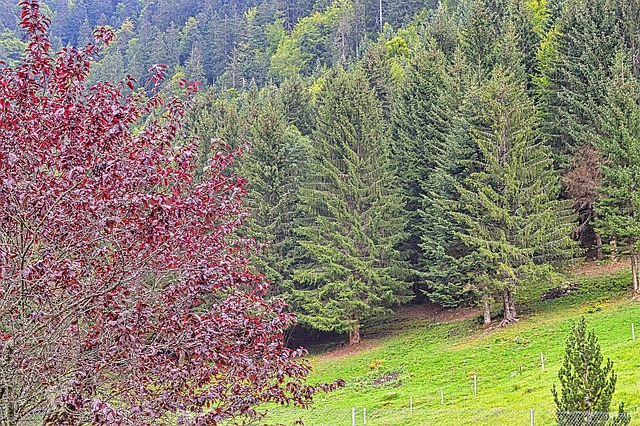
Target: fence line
{"x": 435, "y": 417}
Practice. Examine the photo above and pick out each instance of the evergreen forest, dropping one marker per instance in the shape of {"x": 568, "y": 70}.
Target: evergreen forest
{"x": 455, "y": 151}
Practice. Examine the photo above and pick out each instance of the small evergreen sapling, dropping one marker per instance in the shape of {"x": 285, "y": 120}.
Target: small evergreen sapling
{"x": 587, "y": 385}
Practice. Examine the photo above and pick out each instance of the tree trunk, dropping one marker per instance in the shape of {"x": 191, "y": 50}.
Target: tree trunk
{"x": 509, "y": 307}
{"x": 635, "y": 263}
{"x": 354, "y": 333}
{"x": 487, "y": 311}
{"x": 599, "y": 254}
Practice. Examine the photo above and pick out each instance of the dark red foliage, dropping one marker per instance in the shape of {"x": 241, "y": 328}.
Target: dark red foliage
{"x": 125, "y": 297}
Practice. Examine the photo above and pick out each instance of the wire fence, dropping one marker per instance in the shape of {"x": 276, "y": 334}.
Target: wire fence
{"x": 426, "y": 417}
{"x": 417, "y": 417}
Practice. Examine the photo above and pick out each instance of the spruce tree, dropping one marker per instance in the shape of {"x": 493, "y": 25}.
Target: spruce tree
{"x": 214, "y": 119}
{"x": 573, "y": 90}
{"x": 586, "y": 385}
{"x": 589, "y": 32}
{"x": 480, "y": 35}
{"x": 193, "y": 68}
{"x": 275, "y": 166}
{"x": 353, "y": 213}
{"x": 618, "y": 207}
{"x": 298, "y": 104}
{"x": 513, "y": 217}
{"x": 427, "y": 157}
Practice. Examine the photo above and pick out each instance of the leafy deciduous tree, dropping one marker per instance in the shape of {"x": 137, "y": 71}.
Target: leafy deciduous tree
{"x": 123, "y": 297}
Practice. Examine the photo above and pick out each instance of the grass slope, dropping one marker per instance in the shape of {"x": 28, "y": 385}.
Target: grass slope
{"x": 409, "y": 366}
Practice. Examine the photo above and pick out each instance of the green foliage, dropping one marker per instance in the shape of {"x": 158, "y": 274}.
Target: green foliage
{"x": 619, "y": 143}
{"x": 426, "y": 157}
{"x": 619, "y": 202}
{"x": 514, "y": 219}
{"x": 275, "y": 167}
{"x": 321, "y": 38}
{"x": 480, "y": 35}
{"x": 586, "y": 386}
{"x": 214, "y": 119}
{"x": 585, "y": 35}
{"x": 297, "y": 101}
{"x": 289, "y": 60}
{"x": 112, "y": 66}
{"x": 433, "y": 354}
{"x": 353, "y": 215}
{"x": 11, "y": 47}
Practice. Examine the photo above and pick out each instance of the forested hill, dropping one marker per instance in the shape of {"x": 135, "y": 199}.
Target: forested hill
{"x": 460, "y": 151}
{"x": 230, "y": 43}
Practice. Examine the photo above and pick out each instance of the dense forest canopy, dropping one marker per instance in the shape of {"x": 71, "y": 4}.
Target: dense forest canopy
{"x": 456, "y": 150}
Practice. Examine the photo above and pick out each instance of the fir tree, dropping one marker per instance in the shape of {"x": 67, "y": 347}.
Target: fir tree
{"x": 619, "y": 205}
{"x": 586, "y": 385}
{"x": 480, "y": 35}
{"x": 275, "y": 167}
{"x": 214, "y": 119}
{"x": 193, "y": 68}
{"x": 353, "y": 213}
{"x": 573, "y": 90}
{"x": 298, "y": 104}
{"x": 513, "y": 217}
{"x": 378, "y": 70}
{"x": 85, "y": 33}
{"x": 426, "y": 157}
{"x": 588, "y": 34}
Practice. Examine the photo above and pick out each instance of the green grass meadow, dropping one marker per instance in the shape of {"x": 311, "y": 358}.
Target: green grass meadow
{"x": 399, "y": 378}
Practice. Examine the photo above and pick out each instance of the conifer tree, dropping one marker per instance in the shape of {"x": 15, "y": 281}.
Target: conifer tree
{"x": 299, "y": 108}
{"x": 353, "y": 213}
{"x": 586, "y": 385}
{"x": 444, "y": 26}
{"x": 378, "y": 70}
{"x": 587, "y": 32}
{"x": 275, "y": 167}
{"x": 426, "y": 157}
{"x": 214, "y": 120}
{"x": 480, "y": 34}
{"x": 513, "y": 217}
{"x": 193, "y": 68}
{"x": 619, "y": 205}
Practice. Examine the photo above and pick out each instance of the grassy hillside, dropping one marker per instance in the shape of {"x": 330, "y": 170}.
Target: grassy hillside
{"x": 406, "y": 369}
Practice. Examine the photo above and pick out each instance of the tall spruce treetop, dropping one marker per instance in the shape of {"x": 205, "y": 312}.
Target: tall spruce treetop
{"x": 589, "y": 33}
{"x": 480, "y": 34}
{"x": 513, "y": 216}
{"x": 619, "y": 205}
{"x": 420, "y": 123}
{"x": 353, "y": 213}
{"x": 574, "y": 88}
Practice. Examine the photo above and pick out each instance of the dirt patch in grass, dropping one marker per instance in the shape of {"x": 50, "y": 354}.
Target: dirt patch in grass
{"x": 348, "y": 350}
{"x": 595, "y": 268}
{"x": 432, "y": 312}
